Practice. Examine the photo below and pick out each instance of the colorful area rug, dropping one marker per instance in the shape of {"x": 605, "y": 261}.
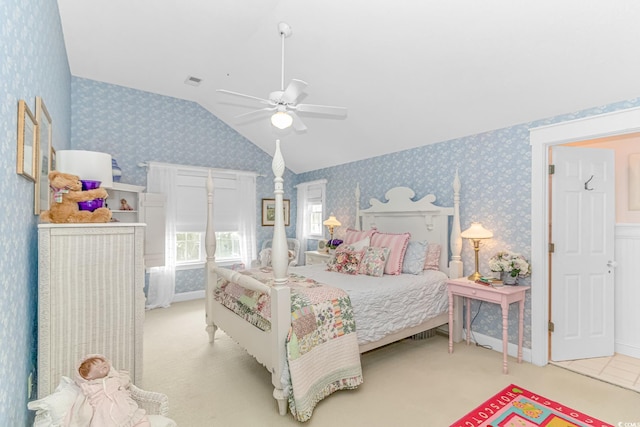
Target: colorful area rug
{"x": 517, "y": 407}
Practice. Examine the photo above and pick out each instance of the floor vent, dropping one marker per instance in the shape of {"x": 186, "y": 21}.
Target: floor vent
{"x": 424, "y": 334}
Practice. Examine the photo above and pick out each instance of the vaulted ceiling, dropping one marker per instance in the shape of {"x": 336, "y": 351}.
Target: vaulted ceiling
{"x": 409, "y": 72}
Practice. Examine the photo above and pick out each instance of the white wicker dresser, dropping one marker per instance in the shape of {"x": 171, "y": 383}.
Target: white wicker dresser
{"x": 90, "y": 298}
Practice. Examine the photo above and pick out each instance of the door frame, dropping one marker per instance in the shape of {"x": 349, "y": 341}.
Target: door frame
{"x": 541, "y": 139}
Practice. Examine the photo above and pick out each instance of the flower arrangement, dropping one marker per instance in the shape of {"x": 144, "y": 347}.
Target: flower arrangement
{"x": 332, "y": 244}
{"x": 510, "y": 262}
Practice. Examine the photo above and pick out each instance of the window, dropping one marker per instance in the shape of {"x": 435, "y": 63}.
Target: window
{"x": 310, "y": 210}
{"x": 315, "y": 219}
{"x": 312, "y": 194}
{"x": 191, "y": 218}
{"x": 189, "y": 248}
{"x": 228, "y": 246}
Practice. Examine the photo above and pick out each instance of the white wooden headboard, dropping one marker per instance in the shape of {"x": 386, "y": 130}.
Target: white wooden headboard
{"x": 424, "y": 220}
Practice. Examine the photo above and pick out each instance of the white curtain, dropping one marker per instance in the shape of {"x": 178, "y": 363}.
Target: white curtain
{"x": 309, "y": 194}
{"x": 302, "y": 218}
{"x": 162, "y": 280}
{"x": 247, "y": 218}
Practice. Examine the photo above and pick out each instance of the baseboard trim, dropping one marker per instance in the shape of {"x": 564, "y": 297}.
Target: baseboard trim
{"x": 628, "y": 350}
{"x": 188, "y": 296}
{"x": 496, "y": 345}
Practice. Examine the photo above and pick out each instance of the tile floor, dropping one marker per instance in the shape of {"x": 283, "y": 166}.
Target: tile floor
{"x": 618, "y": 369}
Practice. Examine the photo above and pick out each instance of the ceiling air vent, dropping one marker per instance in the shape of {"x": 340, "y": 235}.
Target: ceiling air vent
{"x": 193, "y": 81}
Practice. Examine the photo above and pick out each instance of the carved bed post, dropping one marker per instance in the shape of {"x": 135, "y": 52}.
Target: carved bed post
{"x": 455, "y": 266}
{"x": 210, "y": 248}
{"x": 280, "y": 300}
{"x": 279, "y": 248}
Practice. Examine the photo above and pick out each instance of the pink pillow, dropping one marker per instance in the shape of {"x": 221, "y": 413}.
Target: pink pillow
{"x": 397, "y": 244}
{"x": 353, "y": 235}
{"x": 345, "y": 261}
{"x": 432, "y": 262}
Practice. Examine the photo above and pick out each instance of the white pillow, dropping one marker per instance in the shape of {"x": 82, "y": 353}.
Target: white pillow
{"x": 55, "y": 407}
{"x": 360, "y": 244}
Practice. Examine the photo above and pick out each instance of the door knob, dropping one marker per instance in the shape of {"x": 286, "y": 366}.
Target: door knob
{"x": 612, "y": 264}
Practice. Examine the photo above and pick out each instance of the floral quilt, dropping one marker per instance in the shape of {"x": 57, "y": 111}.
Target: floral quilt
{"x": 322, "y": 334}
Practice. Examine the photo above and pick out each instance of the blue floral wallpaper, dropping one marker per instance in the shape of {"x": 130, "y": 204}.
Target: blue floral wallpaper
{"x": 495, "y": 172}
{"x": 33, "y": 62}
{"x": 135, "y": 126}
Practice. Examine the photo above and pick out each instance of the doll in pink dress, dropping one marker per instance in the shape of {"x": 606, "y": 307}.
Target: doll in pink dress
{"x": 107, "y": 391}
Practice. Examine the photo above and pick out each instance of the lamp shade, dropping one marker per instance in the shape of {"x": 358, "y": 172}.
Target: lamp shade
{"x": 332, "y": 222}
{"x": 88, "y": 165}
{"x": 476, "y": 231}
{"x": 281, "y": 120}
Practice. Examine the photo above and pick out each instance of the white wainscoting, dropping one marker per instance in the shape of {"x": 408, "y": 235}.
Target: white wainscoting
{"x": 627, "y": 290}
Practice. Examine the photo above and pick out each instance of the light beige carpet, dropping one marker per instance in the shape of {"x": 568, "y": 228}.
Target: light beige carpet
{"x": 409, "y": 383}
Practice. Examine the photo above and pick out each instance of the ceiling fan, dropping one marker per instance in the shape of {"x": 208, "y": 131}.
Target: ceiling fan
{"x": 284, "y": 101}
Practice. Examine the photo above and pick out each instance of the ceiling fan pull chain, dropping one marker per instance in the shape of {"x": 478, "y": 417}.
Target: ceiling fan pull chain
{"x": 282, "y": 36}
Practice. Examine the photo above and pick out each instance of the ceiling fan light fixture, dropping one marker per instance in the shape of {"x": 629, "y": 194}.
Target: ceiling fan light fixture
{"x": 281, "y": 120}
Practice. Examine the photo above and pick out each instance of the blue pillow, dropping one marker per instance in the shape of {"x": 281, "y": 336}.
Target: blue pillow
{"x": 415, "y": 257}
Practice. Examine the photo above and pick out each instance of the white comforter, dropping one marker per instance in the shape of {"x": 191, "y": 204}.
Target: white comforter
{"x": 387, "y": 304}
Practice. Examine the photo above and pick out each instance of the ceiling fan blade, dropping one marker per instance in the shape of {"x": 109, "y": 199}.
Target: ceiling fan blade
{"x": 261, "y": 100}
{"x": 298, "y": 124}
{"x": 293, "y": 91}
{"x": 254, "y": 113}
{"x": 322, "y": 109}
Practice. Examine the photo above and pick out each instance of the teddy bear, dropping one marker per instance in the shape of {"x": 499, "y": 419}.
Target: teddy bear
{"x": 67, "y": 192}
{"x": 124, "y": 206}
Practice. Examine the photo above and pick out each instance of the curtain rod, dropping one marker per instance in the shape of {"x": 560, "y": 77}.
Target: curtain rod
{"x": 238, "y": 172}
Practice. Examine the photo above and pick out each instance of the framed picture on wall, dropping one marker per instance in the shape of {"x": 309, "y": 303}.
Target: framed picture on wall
{"x": 44, "y": 156}
{"x": 269, "y": 212}
{"x": 27, "y": 142}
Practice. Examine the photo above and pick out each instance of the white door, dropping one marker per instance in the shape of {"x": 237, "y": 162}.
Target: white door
{"x": 582, "y": 274}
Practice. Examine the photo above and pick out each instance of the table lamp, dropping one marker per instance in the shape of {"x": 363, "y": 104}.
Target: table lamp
{"x": 331, "y": 223}
{"x": 88, "y": 165}
{"x": 476, "y": 233}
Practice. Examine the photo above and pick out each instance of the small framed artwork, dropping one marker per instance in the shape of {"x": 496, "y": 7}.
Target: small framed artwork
{"x": 44, "y": 157}
{"x": 269, "y": 212}
{"x": 27, "y": 142}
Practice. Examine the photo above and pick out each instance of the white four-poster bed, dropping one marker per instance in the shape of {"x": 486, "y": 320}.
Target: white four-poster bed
{"x": 423, "y": 219}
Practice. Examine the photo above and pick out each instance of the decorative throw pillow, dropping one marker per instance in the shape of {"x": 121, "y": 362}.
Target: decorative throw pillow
{"x": 373, "y": 261}
{"x": 360, "y": 245}
{"x": 353, "y": 235}
{"x": 432, "y": 262}
{"x": 397, "y": 244}
{"x": 57, "y": 405}
{"x": 415, "y": 257}
{"x": 345, "y": 261}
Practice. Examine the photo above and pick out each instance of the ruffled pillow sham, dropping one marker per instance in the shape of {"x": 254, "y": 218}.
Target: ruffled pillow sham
{"x": 353, "y": 236}
{"x": 432, "y": 261}
{"x": 397, "y": 244}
